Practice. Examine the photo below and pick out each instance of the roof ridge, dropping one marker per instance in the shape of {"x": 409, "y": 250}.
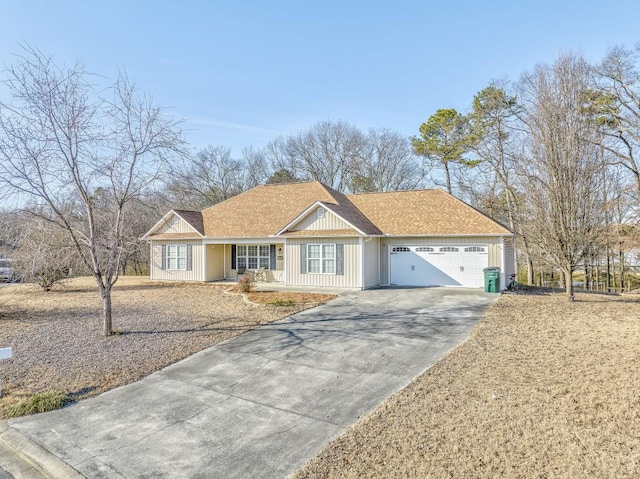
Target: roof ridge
{"x": 395, "y": 191}
{"x": 187, "y": 211}
{"x": 287, "y": 183}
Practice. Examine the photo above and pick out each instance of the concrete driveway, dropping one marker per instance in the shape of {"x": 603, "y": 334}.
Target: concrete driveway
{"x": 262, "y": 404}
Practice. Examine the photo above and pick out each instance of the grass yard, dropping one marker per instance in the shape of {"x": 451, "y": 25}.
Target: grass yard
{"x": 58, "y": 345}
{"x": 542, "y": 389}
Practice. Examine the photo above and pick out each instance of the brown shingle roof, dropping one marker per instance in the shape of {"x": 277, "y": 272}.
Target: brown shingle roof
{"x": 424, "y": 212}
{"x": 194, "y": 218}
{"x": 267, "y": 209}
{"x": 264, "y": 210}
{"x": 349, "y": 212}
{"x": 341, "y": 232}
{"x": 174, "y": 236}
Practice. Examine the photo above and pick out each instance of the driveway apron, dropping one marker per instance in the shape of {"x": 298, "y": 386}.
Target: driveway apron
{"x": 263, "y": 403}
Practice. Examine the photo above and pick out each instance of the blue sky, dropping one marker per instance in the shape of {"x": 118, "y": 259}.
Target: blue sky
{"x": 243, "y": 72}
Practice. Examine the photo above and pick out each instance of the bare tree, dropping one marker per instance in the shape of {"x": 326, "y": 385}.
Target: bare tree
{"x": 280, "y": 159}
{"x": 562, "y": 166}
{"x": 387, "y": 163}
{"x": 615, "y": 102}
{"x": 209, "y": 177}
{"x": 82, "y": 158}
{"x": 45, "y": 255}
{"x": 327, "y": 152}
{"x": 257, "y": 169}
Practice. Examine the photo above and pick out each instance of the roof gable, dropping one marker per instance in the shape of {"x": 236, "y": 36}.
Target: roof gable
{"x": 333, "y": 220}
{"x": 424, "y": 212}
{"x": 180, "y": 223}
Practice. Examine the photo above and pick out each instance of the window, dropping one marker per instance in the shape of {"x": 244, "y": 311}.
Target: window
{"x": 424, "y": 249}
{"x": 398, "y": 249}
{"x": 321, "y": 258}
{"x": 177, "y": 256}
{"x": 253, "y": 256}
{"x": 448, "y": 249}
{"x": 474, "y": 249}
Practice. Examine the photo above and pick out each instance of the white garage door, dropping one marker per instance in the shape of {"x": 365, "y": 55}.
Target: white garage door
{"x": 438, "y": 265}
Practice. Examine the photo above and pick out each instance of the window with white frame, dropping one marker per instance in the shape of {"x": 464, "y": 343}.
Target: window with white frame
{"x": 253, "y": 256}
{"x": 177, "y": 256}
{"x": 321, "y": 258}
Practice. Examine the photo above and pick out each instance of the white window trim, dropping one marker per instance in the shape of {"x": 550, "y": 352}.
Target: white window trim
{"x": 176, "y": 256}
{"x": 258, "y": 257}
{"x": 322, "y": 258}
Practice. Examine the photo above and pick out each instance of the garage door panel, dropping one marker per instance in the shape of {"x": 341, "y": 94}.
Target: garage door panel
{"x": 411, "y": 269}
{"x": 438, "y": 266}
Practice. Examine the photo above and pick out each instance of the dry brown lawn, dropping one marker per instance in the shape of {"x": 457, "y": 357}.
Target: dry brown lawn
{"x": 542, "y": 389}
{"x": 58, "y": 345}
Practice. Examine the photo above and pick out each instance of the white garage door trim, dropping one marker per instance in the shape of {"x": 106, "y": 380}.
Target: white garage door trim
{"x": 438, "y": 265}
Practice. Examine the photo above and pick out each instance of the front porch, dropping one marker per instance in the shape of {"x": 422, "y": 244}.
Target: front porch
{"x": 222, "y": 261}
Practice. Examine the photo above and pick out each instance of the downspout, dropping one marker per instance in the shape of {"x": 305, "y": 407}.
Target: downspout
{"x": 224, "y": 261}
{"x": 204, "y": 261}
{"x": 151, "y": 262}
{"x": 286, "y": 256}
{"x": 378, "y": 259}
{"x": 503, "y": 273}
{"x": 361, "y": 262}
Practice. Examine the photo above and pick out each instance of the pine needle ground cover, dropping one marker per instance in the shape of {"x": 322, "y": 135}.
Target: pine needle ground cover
{"x": 542, "y": 389}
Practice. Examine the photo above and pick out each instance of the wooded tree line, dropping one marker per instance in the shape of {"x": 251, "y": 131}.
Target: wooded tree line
{"x": 552, "y": 155}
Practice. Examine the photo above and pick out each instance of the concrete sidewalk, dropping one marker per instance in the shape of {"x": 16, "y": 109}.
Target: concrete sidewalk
{"x": 263, "y": 403}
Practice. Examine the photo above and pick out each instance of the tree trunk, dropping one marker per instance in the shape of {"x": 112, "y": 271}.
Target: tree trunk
{"x": 107, "y": 325}
{"x": 568, "y": 284}
{"x": 530, "y": 271}
{"x": 622, "y": 269}
{"x": 447, "y": 175}
{"x": 608, "y": 271}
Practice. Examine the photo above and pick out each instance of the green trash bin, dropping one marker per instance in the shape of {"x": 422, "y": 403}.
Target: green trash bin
{"x": 491, "y": 280}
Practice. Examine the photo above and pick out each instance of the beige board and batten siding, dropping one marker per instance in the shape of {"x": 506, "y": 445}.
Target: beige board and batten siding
{"x": 214, "y": 262}
{"x": 352, "y": 266}
{"x": 371, "y": 262}
{"x": 195, "y": 274}
{"x": 175, "y": 224}
{"x": 312, "y": 222}
{"x": 494, "y": 245}
{"x": 509, "y": 258}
